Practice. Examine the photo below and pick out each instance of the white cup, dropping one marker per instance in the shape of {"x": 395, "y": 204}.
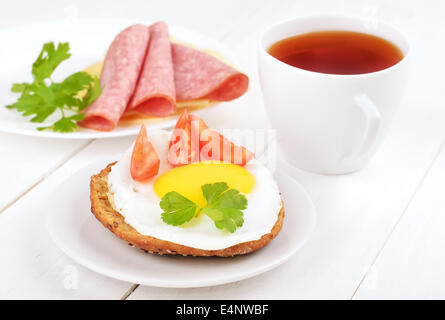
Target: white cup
{"x": 330, "y": 123}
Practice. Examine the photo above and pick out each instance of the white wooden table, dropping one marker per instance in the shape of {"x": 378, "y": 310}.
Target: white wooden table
{"x": 380, "y": 232}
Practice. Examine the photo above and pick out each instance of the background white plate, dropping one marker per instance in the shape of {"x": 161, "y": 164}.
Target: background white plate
{"x": 89, "y": 41}
{"x": 76, "y": 231}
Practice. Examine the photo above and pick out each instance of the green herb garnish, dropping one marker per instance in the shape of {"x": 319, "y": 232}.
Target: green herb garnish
{"x": 224, "y": 207}
{"x": 43, "y": 97}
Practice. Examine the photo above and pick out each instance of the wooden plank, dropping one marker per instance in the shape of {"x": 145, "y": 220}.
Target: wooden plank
{"x": 25, "y": 161}
{"x": 32, "y": 266}
{"x": 411, "y": 264}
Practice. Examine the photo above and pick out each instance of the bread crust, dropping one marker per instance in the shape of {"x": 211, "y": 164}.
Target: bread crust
{"x": 103, "y": 210}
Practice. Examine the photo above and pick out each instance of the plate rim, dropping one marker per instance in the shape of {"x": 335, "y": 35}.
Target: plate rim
{"x": 183, "y": 284}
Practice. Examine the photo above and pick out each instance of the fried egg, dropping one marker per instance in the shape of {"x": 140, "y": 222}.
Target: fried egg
{"x": 139, "y": 202}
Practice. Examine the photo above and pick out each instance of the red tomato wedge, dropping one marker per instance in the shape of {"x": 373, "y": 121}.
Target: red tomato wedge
{"x": 214, "y": 146}
{"x": 193, "y": 141}
{"x": 144, "y": 159}
{"x": 180, "y": 146}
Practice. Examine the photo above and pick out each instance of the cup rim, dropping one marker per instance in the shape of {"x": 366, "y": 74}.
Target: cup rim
{"x": 400, "y": 63}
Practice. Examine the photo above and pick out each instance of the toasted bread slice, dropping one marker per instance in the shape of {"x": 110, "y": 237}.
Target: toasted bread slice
{"x": 103, "y": 210}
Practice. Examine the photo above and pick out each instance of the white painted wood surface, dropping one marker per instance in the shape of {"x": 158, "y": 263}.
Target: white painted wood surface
{"x": 380, "y": 230}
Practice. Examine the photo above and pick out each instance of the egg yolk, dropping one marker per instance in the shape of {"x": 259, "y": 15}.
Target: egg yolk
{"x": 187, "y": 180}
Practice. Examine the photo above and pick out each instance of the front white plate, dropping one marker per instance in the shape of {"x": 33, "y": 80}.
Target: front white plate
{"x": 77, "y": 232}
{"x": 89, "y": 41}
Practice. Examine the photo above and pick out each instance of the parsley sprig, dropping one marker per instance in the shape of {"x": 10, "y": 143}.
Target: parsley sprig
{"x": 224, "y": 207}
{"x": 43, "y": 96}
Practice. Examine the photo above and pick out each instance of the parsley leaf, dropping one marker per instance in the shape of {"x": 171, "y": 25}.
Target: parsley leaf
{"x": 177, "y": 209}
{"x": 224, "y": 206}
{"x": 37, "y": 101}
{"x": 49, "y": 58}
{"x": 43, "y": 97}
{"x": 94, "y": 92}
{"x": 19, "y": 87}
{"x": 65, "y": 124}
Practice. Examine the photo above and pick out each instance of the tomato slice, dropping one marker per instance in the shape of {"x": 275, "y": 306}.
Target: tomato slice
{"x": 179, "y": 148}
{"x": 238, "y": 154}
{"x": 193, "y": 141}
{"x": 214, "y": 146}
{"x": 196, "y": 123}
{"x": 144, "y": 159}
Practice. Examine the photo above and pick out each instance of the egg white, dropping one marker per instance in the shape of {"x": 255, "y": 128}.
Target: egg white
{"x": 139, "y": 205}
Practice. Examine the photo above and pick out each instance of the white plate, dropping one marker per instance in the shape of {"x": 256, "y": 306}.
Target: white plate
{"x": 89, "y": 41}
{"x": 76, "y": 231}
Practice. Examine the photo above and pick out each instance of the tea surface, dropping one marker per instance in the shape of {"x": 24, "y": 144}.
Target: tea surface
{"x": 337, "y": 52}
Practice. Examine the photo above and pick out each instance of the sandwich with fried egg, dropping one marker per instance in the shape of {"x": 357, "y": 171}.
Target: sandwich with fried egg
{"x": 171, "y": 195}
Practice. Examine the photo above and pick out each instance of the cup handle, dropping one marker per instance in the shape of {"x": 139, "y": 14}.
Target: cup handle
{"x": 372, "y": 126}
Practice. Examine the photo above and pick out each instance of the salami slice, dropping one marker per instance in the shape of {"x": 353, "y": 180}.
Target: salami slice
{"x": 118, "y": 79}
{"x": 155, "y": 91}
{"x": 199, "y": 75}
